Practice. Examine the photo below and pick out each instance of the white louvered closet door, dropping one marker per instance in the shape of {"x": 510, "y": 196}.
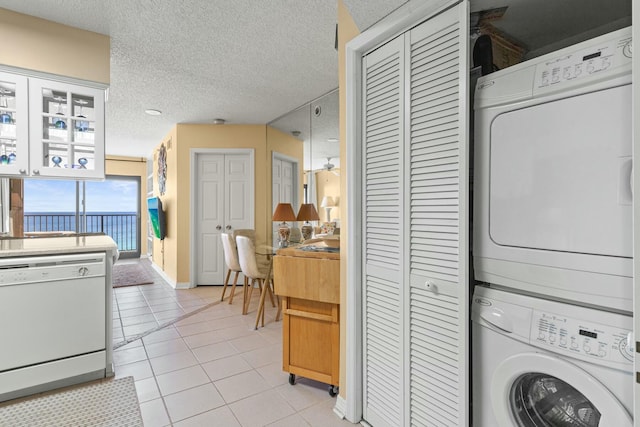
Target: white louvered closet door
{"x": 383, "y": 197}
{"x": 415, "y": 248}
{"x": 437, "y": 221}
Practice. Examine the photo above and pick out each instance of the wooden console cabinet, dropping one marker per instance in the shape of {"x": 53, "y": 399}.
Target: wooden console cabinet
{"x": 309, "y": 284}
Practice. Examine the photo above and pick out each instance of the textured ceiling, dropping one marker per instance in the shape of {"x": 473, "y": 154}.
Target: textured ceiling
{"x": 252, "y": 61}
{"x": 245, "y": 61}
{"x": 367, "y": 13}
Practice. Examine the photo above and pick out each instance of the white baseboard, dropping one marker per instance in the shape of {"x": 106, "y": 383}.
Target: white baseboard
{"x": 182, "y": 285}
{"x": 166, "y": 278}
{"x": 340, "y": 409}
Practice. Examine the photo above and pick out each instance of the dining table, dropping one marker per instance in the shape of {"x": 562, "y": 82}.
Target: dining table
{"x": 269, "y": 251}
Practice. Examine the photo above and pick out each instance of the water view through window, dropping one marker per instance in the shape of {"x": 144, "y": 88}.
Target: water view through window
{"x": 110, "y": 207}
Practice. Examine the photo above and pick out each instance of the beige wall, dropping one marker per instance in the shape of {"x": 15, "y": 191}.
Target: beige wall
{"x": 133, "y": 166}
{"x": 174, "y": 253}
{"x": 165, "y": 252}
{"x": 37, "y": 44}
{"x": 347, "y": 30}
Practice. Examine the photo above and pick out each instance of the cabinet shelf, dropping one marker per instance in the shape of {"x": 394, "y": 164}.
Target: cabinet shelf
{"x": 66, "y": 142}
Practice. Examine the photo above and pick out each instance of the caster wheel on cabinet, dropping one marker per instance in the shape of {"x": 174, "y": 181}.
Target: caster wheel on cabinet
{"x": 333, "y": 391}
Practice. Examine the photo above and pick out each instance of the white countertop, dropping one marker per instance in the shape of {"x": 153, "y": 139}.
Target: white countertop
{"x": 56, "y": 245}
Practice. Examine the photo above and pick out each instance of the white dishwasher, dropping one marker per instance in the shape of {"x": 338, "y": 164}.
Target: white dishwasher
{"x": 53, "y": 329}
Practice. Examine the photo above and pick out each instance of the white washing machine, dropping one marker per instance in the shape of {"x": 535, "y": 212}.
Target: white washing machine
{"x": 541, "y": 363}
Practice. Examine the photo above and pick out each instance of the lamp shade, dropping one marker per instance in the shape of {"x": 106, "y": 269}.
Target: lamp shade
{"x": 327, "y": 202}
{"x": 284, "y": 212}
{"x": 308, "y": 212}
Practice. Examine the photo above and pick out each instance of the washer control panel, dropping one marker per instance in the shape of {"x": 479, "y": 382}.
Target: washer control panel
{"x": 573, "y": 336}
{"x": 584, "y": 63}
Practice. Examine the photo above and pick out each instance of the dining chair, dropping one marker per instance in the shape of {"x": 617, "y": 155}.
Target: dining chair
{"x": 254, "y": 272}
{"x": 248, "y": 232}
{"x": 233, "y": 264}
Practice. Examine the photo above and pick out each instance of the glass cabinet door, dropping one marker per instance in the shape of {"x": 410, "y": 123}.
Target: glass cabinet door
{"x": 14, "y": 125}
{"x": 67, "y": 130}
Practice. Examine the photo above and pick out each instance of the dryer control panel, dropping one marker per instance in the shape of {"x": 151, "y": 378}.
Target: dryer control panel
{"x": 573, "y": 336}
{"x": 591, "y": 60}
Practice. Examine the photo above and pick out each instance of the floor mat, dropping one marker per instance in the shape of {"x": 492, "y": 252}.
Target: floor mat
{"x": 112, "y": 403}
{"x": 130, "y": 275}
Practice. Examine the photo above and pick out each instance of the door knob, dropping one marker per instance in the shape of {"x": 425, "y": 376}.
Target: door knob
{"x": 228, "y": 227}
{"x": 218, "y": 227}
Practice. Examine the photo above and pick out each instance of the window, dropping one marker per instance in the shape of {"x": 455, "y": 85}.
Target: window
{"x": 54, "y": 207}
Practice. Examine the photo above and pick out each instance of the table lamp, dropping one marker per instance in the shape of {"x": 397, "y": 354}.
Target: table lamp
{"x": 284, "y": 212}
{"x": 307, "y": 213}
{"x": 328, "y": 203}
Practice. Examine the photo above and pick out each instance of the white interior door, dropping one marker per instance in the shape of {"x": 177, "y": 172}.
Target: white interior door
{"x": 276, "y": 182}
{"x": 224, "y": 202}
{"x": 238, "y": 192}
{"x": 210, "y": 206}
{"x": 382, "y": 199}
{"x": 437, "y": 221}
{"x": 283, "y": 187}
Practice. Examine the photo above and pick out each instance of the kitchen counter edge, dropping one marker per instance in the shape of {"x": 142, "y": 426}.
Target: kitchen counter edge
{"x": 56, "y": 245}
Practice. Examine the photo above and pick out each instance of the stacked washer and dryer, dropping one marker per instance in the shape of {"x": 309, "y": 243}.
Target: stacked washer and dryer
{"x": 551, "y": 319}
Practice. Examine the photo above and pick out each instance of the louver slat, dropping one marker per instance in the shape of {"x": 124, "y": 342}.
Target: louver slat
{"x": 434, "y": 252}
{"x": 382, "y": 192}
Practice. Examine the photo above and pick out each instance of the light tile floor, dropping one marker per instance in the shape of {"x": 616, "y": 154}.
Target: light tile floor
{"x": 210, "y": 368}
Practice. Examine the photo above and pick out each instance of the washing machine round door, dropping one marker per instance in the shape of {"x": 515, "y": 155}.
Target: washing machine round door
{"x": 539, "y": 390}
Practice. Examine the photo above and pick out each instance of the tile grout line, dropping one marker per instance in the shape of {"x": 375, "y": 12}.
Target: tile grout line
{"x": 164, "y": 325}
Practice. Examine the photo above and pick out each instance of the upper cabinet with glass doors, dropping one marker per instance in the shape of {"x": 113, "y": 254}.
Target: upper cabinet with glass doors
{"x": 66, "y": 130}
{"x": 14, "y": 125}
{"x": 50, "y": 129}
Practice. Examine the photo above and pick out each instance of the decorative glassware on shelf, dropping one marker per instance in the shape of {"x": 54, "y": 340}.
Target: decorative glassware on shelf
{"x": 83, "y": 162}
{"x": 5, "y": 115}
{"x": 58, "y": 122}
{"x": 56, "y": 160}
{"x": 81, "y": 125}
{"x": 7, "y": 159}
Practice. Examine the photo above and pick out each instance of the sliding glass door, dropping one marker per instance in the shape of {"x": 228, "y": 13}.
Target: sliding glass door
{"x": 112, "y": 207}
{"x": 58, "y": 207}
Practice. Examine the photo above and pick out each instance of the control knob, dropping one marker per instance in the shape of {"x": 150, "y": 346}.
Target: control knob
{"x": 626, "y": 347}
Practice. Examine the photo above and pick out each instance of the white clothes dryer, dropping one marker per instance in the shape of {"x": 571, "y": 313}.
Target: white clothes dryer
{"x": 553, "y": 175}
{"x": 541, "y": 363}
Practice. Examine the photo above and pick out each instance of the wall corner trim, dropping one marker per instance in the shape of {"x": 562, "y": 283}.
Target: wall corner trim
{"x": 340, "y": 409}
